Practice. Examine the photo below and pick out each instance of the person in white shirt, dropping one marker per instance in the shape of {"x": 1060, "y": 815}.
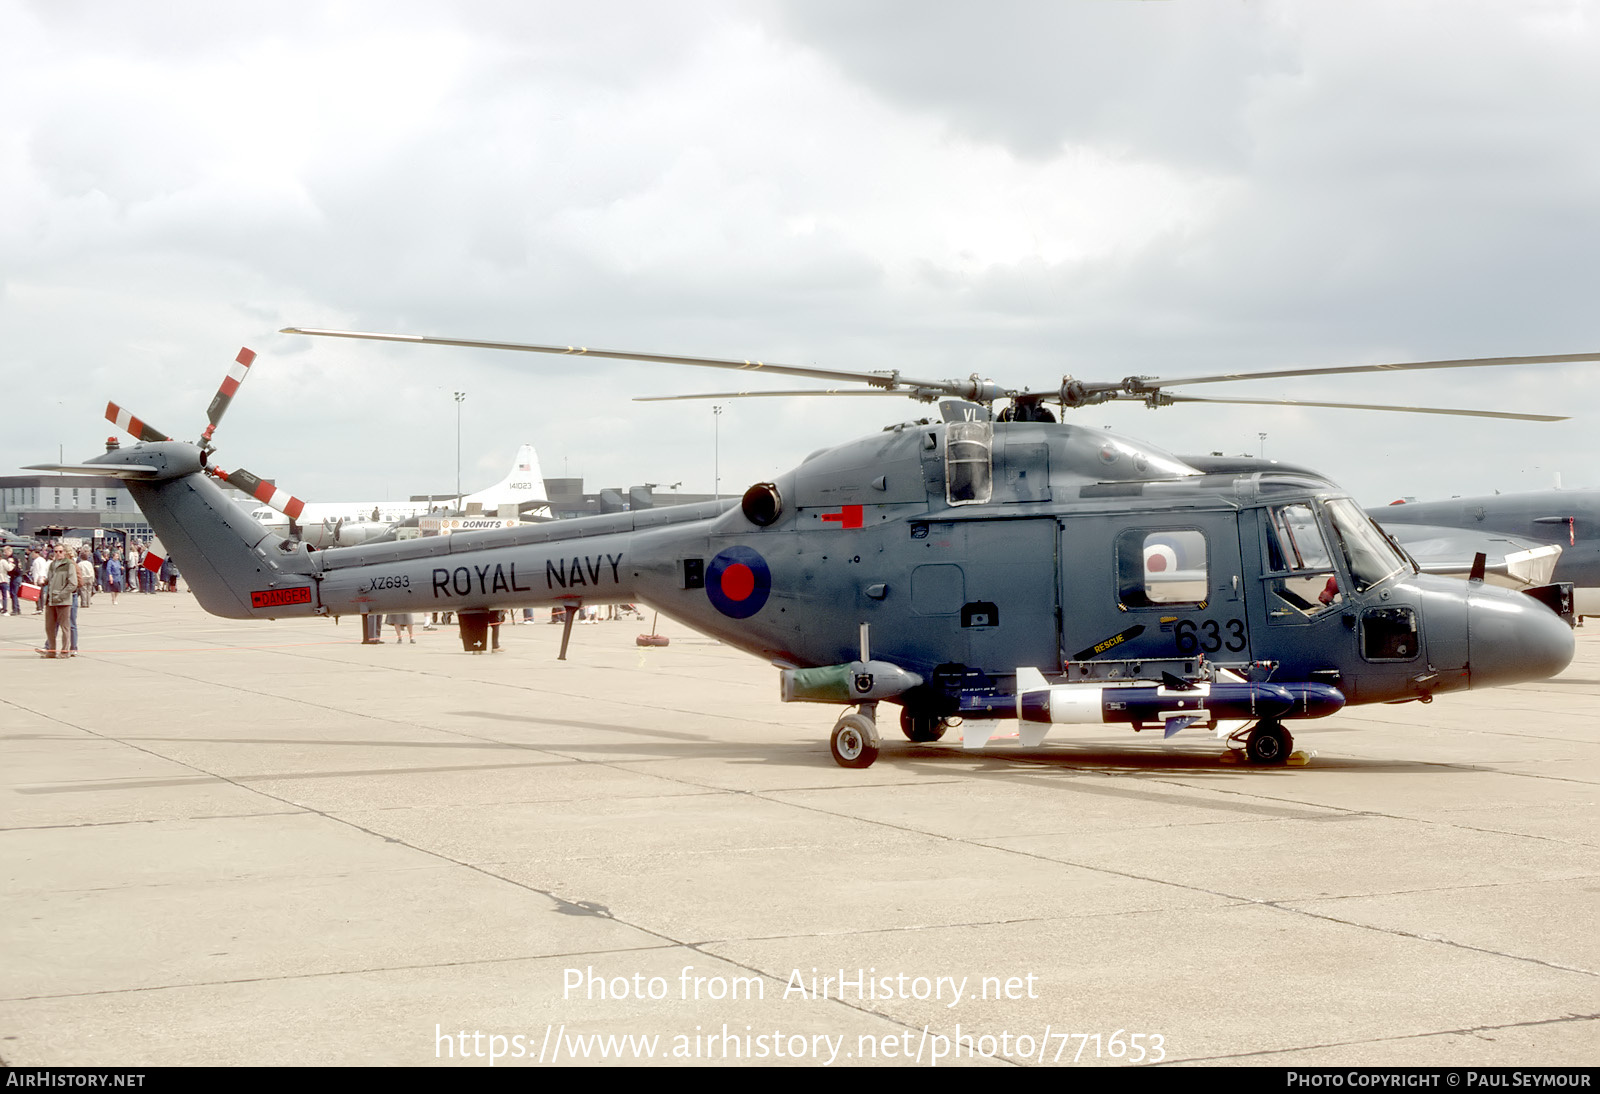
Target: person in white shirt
{"x": 39, "y": 574}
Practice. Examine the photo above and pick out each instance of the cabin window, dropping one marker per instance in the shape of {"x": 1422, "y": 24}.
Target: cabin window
{"x": 1301, "y": 580}
{"x": 1161, "y": 567}
{"x": 968, "y": 463}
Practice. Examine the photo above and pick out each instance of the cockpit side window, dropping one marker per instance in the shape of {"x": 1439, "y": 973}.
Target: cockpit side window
{"x": 1296, "y": 542}
{"x": 1301, "y": 580}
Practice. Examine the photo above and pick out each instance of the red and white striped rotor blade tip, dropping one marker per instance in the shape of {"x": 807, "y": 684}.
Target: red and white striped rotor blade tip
{"x": 129, "y": 424}
{"x": 264, "y": 492}
{"x": 230, "y": 385}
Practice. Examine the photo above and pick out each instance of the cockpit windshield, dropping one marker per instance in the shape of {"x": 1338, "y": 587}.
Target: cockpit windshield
{"x": 1368, "y": 555}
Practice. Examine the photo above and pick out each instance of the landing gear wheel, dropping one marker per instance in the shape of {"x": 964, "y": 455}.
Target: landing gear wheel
{"x": 1269, "y": 744}
{"x": 921, "y": 727}
{"x": 853, "y": 742}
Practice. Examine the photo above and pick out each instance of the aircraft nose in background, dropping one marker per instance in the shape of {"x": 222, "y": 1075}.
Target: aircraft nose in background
{"x": 1514, "y": 639}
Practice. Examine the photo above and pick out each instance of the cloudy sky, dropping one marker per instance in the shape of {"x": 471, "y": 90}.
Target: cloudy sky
{"x": 1021, "y": 190}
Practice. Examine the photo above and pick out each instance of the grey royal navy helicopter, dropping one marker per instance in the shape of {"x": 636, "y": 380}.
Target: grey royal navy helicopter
{"x": 984, "y": 567}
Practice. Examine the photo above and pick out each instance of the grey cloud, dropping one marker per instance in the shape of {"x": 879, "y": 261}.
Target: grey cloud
{"x": 1172, "y": 80}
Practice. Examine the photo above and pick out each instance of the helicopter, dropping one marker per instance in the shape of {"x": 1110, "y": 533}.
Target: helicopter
{"x": 984, "y": 566}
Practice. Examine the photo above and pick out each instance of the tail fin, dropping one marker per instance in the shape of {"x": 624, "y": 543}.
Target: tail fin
{"x": 522, "y": 484}
{"x": 229, "y": 561}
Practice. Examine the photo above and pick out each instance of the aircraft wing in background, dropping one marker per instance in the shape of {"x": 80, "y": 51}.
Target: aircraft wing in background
{"x": 1512, "y": 562}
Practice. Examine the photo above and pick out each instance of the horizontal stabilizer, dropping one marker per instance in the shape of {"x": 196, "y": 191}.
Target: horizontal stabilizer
{"x": 109, "y": 470}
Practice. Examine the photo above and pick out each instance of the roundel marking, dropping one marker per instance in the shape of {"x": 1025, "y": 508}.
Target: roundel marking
{"x": 737, "y": 582}
{"x": 1160, "y": 558}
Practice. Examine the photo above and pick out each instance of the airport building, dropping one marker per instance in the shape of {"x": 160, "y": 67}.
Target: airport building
{"x": 29, "y": 503}
{"x": 36, "y": 504}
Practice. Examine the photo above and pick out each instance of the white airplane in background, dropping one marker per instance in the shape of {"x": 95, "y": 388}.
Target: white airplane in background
{"x": 345, "y": 523}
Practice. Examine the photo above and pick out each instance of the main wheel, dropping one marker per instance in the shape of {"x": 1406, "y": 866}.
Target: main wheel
{"x": 1269, "y": 744}
{"x": 851, "y": 742}
{"x": 921, "y": 727}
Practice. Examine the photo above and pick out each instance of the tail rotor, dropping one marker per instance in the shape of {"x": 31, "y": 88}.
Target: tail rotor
{"x": 142, "y": 430}
{"x": 252, "y": 484}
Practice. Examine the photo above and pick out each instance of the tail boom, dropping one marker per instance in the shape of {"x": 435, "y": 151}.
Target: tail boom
{"x": 241, "y": 570}
{"x": 231, "y": 563}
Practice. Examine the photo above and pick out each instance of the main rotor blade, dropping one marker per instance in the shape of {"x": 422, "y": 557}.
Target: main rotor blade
{"x": 1404, "y": 366}
{"x": 979, "y": 390}
{"x": 1363, "y": 406}
{"x": 783, "y": 394}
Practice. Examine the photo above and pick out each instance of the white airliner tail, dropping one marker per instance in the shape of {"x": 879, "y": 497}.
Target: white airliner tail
{"x": 524, "y": 483}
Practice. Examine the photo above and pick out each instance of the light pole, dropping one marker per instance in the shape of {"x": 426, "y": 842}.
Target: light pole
{"x": 460, "y": 398}
{"x": 716, "y": 449}
{"x": 1263, "y": 437}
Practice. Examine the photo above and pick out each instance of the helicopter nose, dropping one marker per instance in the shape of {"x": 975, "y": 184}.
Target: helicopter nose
{"x": 1514, "y": 638}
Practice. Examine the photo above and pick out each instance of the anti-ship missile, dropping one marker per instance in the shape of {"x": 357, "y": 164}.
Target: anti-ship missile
{"x": 1175, "y": 704}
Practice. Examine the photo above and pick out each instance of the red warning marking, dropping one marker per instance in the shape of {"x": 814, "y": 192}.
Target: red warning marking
{"x": 273, "y": 598}
{"x": 848, "y": 516}
{"x": 738, "y": 582}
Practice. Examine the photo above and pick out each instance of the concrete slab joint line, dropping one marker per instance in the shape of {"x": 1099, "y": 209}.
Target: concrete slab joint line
{"x": 261, "y": 844}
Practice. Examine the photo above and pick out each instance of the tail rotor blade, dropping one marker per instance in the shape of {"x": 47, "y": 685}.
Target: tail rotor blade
{"x": 224, "y": 396}
{"x": 131, "y": 425}
{"x": 263, "y": 491}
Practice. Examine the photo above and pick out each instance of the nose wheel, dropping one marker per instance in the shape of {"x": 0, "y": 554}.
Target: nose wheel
{"x": 854, "y": 741}
{"x": 1268, "y": 745}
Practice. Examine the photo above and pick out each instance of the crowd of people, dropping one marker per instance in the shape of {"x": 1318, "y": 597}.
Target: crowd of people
{"x": 58, "y": 579}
